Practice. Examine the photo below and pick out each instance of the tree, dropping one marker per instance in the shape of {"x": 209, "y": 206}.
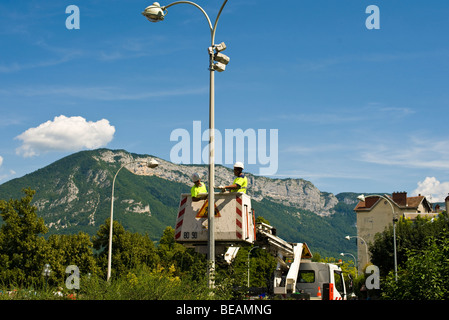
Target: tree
{"x": 410, "y": 235}
{"x": 424, "y": 276}
{"x": 129, "y": 250}
{"x": 422, "y": 255}
{"x": 261, "y": 219}
{"x": 68, "y": 250}
{"x": 184, "y": 259}
{"x": 23, "y": 249}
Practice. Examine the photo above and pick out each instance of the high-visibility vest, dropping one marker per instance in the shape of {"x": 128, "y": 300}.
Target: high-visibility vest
{"x": 242, "y": 182}
{"x": 195, "y": 191}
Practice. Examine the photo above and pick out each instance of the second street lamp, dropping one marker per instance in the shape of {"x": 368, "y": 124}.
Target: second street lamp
{"x": 217, "y": 62}
{"x": 150, "y": 164}
{"x": 359, "y": 268}
{"x": 46, "y": 273}
{"x": 350, "y": 254}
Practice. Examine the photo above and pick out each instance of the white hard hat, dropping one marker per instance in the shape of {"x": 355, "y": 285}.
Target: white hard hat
{"x": 238, "y": 165}
{"x": 195, "y": 177}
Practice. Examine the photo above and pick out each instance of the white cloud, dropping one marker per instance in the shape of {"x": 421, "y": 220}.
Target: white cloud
{"x": 1, "y": 161}
{"x": 65, "y": 134}
{"x": 415, "y": 153}
{"x": 433, "y": 189}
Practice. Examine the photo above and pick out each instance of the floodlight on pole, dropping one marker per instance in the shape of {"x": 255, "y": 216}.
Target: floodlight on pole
{"x": 221, "y": 60}
{"x": 220, "y": 47}
{"x": 220, "y": 57}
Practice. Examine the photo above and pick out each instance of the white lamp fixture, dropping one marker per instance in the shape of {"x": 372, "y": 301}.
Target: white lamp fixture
{"x": 154, "y": 13}
{"x": 152, "y": 163}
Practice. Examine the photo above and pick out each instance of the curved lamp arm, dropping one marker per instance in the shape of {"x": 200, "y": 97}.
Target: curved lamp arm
{"x": 193, "y": 4}
{"x": 212, "y": 28}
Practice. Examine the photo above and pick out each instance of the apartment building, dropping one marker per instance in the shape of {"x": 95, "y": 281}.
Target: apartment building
{"x": 375, "y": 214}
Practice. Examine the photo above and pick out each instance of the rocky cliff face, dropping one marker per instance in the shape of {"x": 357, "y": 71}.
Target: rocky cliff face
{"x": 293, "y": 192}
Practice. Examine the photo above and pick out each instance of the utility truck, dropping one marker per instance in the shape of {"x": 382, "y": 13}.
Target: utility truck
{"x": 295, "y": 275}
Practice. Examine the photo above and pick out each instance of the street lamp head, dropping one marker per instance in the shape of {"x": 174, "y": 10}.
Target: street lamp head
{"x": 361, "y": 197}
{"x": 47, "y": 270}
{"x": 154, "y": 13}
{"x": 152, "y": 163}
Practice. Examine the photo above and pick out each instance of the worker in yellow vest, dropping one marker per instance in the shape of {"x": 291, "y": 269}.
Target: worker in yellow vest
{"x": 199, "y": 190}
{"x": 240, "y": 182}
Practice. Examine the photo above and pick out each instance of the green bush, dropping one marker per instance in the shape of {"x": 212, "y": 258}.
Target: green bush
{"x": 141, "y": 283}
{"x": 424, "y": 276}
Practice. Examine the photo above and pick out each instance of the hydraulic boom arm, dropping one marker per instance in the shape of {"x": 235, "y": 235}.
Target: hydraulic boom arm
{"x": 288, "y": 256}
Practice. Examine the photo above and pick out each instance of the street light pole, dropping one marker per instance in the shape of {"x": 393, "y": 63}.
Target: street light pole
{"x": 155, "y": 13}
{"x": 366, "y": 247}
{"x": 46, "y": 274}
{"x": 394, "y": 250}
{"x": 151, "y": 164}
{"x": 350, "y": 254}
{"x": 362, "y": 198}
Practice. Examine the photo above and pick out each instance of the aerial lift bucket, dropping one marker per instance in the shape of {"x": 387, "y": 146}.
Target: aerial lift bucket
{"x": 234, "y": 221}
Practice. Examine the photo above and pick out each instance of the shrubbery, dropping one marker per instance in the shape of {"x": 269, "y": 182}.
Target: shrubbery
{"x": 422, "y": 256}
{"x": 140, "y": 269}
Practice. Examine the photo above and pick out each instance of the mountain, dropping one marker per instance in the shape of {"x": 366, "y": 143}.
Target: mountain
{"x": 74, "y": 194}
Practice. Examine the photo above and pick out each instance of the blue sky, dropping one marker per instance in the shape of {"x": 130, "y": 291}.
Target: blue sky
{"x": 355, "y": 109}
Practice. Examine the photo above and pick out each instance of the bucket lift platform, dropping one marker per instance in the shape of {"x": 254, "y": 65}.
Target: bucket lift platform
{"x": 234, "y": 220}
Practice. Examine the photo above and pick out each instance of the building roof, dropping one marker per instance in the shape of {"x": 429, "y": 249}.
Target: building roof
{"x": 361, "y": 205}
{"x": 412, "y": 203}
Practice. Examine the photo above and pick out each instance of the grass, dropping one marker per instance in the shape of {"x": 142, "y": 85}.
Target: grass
{"x": 138, "y": 284}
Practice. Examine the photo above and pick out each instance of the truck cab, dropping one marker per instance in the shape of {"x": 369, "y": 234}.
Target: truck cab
{"x": 324, "y": 277}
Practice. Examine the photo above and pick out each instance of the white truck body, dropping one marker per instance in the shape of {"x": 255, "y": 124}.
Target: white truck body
{"x": 235, "y": 226}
